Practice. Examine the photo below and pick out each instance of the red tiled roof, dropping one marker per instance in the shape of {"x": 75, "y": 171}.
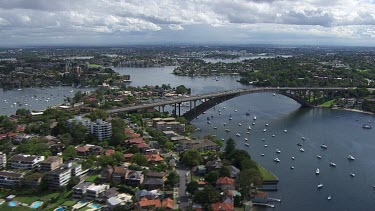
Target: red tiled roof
{"x": 225, "y": 181}
{"x": 135, "y": 141}
{"x": 82, "y": 148}
{"x": 142, "y": 145}
{"x": 222, "y": 207}
{"x": 202, "y": 182}
{"x": 145, "y": 203}
{"x": 131, "y": 133}
{"x": 154, "y": 157}
{"x": 128, "y": 155}
{"x": 167, "y": 203}
{"x": 109, "y": 152}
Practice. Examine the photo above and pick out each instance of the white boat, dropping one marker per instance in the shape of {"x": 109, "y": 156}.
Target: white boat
{"x": 320, "y": 185}
{"x": 224, "y": 107}
{"x": 350, "y": 157}
{"x": 227, "y": 130}
{"x": 278, "y": 151}
{"x": 219, "y": 113}
{"x": 263, "y": 139}
{"x": 292, "y": 167}
{"x": 293, "y": 158}
{"x": 276, "y": 160}
{"x": 219, "y": 110}
{"x": 253, "y": 123}
{"x": 264, "y": 130}
{"x": 303, "y": 138}
{"x": 245, "y": 139}
{"x": 265, "y": 145}
{"x": 352, "y": 174}
{"x": 273, "y": 135}
{"x": 224, "y": 123}
{"x": 319, "y": 156}
{"x": 71, "y": 91}
{"x": 235, "y": 110}
{"x": 198, "y": 129}
{"x": 285, "y": 131}
{"x": 239, "y": 124}
{"x": 329, "y": 197}
{"x": 273, "y": 94}
{"x": 317, "y": 171}
{"x": 238, "y": 135}
{"x": 301, "y": 150}
{"x": 266, "y": 124}
{"x": 215, "y": 128}
{"x": 247, "y": 144}
{"x": 324, "y": 146}
{"x": 255, "y": 118}
{"x": 262, "y": 154}
{"x": 230, "y": 118}
{"x": 249, "y": 128}
{"x": 247, "y": 132}
{"x": 332, "y": 164}
{"x": 208, "y": 122}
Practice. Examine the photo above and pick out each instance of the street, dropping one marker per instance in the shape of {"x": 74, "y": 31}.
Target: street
{"x": 182, "y": 197}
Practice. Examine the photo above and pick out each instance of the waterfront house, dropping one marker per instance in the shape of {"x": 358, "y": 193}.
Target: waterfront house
{"x": 225, "y": 183}
{"x": 214, "y": 165}
{"x": 25, "y": 162}
{"x": 9, "y": 179}
{"x": 207, "y": 145}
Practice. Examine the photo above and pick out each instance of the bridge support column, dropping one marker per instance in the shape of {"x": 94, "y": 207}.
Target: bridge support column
{"x": 175, "y": 109}
{"x": 179, "y": 109}
{"x": 309, "y": 97}
{"x": 162, "y": 108}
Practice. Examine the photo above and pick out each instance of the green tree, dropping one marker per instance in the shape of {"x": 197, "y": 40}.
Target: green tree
{"x": 212, "y": 177}
{"x": 191, "y": 158}
{"x": 98, "y": 114}
{"x": 173, "y": 178}
{"x": 249, "y": 178}
{"x": 230, "y": 147}
{"x": 139, "y": 159}
{"x": 224, "y": 172}
{"x": 70, "y": 152}
{"x": 192, "y": 187}
{"x": 207, "y": 196}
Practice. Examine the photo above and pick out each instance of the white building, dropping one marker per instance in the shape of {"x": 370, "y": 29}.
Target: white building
{"x": 25, "y": 162}
{"x": 3, "y": 160}
{"x": 95, "y": 191}
{"x": 58, "y": 178}
{"x": 101, "y": 129}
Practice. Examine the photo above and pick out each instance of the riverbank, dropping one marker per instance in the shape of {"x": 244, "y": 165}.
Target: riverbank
{"x": 267, "y": 175}
{"x": 353, "y": 110}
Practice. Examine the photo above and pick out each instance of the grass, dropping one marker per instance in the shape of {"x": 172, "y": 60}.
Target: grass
{"x": 69, "y": 203}
{"x": 92, "y": 178}
{"x": 266, "y": 174}
{"x": 327, "y": 104}
{"x": 95, "y": 65}
{"x": 18, "y": 208}
{"x": 27, "y": 199}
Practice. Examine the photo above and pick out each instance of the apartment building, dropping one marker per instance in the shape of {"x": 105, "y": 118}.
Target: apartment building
{"x": 25, "y": 162}
{"x": 3, "y": 160}
{"x": 51, "y": 163}
{"x": 101, "y": 129}
{"x": 96, "y": 191}
{"x": 9, "y": 179}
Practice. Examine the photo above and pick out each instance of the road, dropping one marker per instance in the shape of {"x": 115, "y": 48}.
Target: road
{"x": 184, "y": 199}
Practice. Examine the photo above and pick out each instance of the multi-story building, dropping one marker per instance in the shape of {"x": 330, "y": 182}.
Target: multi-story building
{"x": 79, "y": 191}
{"x": 79, "y": 119}
{"x": 96, "y": 191}
{"x": 51, "y": 163}
{"x": 101, "y": 129}
{"x": 58, "y": 178}
{"x": 10, "y": 179}
{"x": 25, "y": 162}
{"x": 170, "y": 126}
{"x": 207, "y": 145}
{"x": 3, "y": 160}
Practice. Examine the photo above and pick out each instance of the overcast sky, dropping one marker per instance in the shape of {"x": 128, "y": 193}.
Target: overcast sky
{"x": 122, "y": 22}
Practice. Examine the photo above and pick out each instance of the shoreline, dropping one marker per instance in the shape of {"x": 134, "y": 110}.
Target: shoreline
{"x": 352, "y": 110}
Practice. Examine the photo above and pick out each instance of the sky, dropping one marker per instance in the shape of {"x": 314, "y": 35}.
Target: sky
{"x": 129, "y": 22}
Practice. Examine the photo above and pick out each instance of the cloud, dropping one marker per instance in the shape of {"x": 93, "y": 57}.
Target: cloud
{"x": 102, "y": 19}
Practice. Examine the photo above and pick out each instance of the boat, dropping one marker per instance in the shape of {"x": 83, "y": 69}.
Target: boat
{"x": 332, "y": 164}
{"x": 352, "y": 174}
{"x": 249, "y": 128}
{"x": 263, "y": 139}
{"x": 303, "y": 138}
{"x": 219, "y": 113}
{"x": 208, "y": 122}
{"x": 266, "y": 124}
{"x": 293, "y": 158}
{"x": 317, "y": 171}
{"x": 198, "y": 129}
{"x": 292, "y": 167}
{"x": 245, "y": 139}
{"x": 329, "y": 197}
{"x": 255, "y": 118}
{"x": 215, "y": 128}
{"x": 285, "y": 131}
{"x": 239, "y": 124}
{"x": 230, "y": 118}
{"x": 19, "y": 89}
{"x": 247, "y": 132}
{"x": 366, "y": 126}
{"x": 350, "y": 157}
{"x": 253, "y": 123}
{"x": 320, "y": 185}
{"x": 238, "y": 135}
{"x": 273, "y": 94}
{"x": 278, "y": 151}
{"x": 224, "y": 123}
{"x": 71, "y": 91}
{"x": 247, "y": 144}
{"x": 247, "y": 114}
{"x": 301, "y": 150}
{"x": 276, "y": 160}
{"x": 227, "y": 130}
{"x": 265, "y": 145}
{"x": 262, "y": 154}
{"x": 319, "y": 156}
{"x": 235, "y": 110}
{"x": 224, "y": 107}
{"x": 299, "y": 144}
{"x": 324, "y": 146}
{"x": 264, "y": 130}
{"x": 273, "y": 135}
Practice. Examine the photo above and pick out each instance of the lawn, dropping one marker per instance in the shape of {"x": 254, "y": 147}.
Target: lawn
{"x": 18, "y": 208}
{"x": 69, "y": 203}
{"x": 327, "y": 104}
{"x": 92, "y": 178}
{"x": 266, "y": 174}
{"x": 95, "y": 65}
{"x": 27, "y": 199}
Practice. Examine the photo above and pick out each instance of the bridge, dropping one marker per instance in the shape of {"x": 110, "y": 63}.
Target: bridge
{"x": 303, "y": 95}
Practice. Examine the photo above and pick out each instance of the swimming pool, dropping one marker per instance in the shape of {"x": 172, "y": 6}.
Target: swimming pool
{"x": 60, "y": 209}
{"x": 36, "y": 204}
{"x": 82, "y": 202}
{"x": 12, "y": 204}
{"x": 95, "y": 206}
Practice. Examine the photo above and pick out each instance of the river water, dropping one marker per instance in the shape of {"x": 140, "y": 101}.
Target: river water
{"x": 341, "y": 131}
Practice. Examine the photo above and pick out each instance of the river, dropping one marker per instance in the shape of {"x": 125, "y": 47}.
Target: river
{"x": 339, "y": 130}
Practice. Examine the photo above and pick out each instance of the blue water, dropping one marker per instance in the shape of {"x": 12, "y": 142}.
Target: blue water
{"x": 96, "y": 206}
{"x": 82, "y": 202}
{"x": 12, "y": 204}
{"x": 36, "y": 204}
{"x": 60, "y": 209}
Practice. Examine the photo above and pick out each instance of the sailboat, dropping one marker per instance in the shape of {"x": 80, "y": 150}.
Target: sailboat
{"x": 317, "y": 171}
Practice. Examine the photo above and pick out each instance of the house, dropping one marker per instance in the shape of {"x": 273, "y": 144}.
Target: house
{"x": 154, "y": 158}
{"x": 214, "y": 165}
{"x": 169, "y": 134}
{"x": 106, "y": 174}
{"x": 153, "y": 194}
{"x": 25, "y": 162}
{"x": 168, "y": 204}
{"x": 119, "y": 174}
{"x": 89, "y": 149}
{"x": 58, "y": 178}
{"x": 134, "y": 141}
{"x": 3, "y": 160}
{"x": 234, "y": 172}
{"x": 119, "y": 200}
{"x": 130, "y": 133}
{"x": 153, "y": 204}
{"x": 51, "y": 163}
{"x": 222, "y": 207}
{"x": 157, "y": 175}
{"x": 96, "y": 191}
{"x": 186, "y": 144}
{"x": 79, "y": 191}
{"x": 153, "y": 183}
{"x": 134, "y": 178}
{"x": 109, "y": 152}
{"x": 128, "y": 156}
{"x": 207, "y": 145}
{"x": 111, "y": 192}
{"x": 200, "y": 170}
{"x": 9, "y": 179}
{"x": 225, "y": 183}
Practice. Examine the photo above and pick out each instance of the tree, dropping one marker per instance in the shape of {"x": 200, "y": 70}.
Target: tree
{"x": 118, "y": 158}
{"x": 191, "y": 158}
{"x": 192, "y": 187}
{"x": 139, "y": 159}
{"x": 77, "y": 96}
{"x": 70, "y": 152}
{"x": 230, "y": 147}
{"x": 212, "y": 177}
{"x": 134, "y": 149}
{"x": 73, "y": 182}
{"x": 224, "y": 172}
{"x": 173, "y": 178}
{"x": 98, "y": 114}
{"x": 207, "y": 196}
{"x": 249, "y": 178}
